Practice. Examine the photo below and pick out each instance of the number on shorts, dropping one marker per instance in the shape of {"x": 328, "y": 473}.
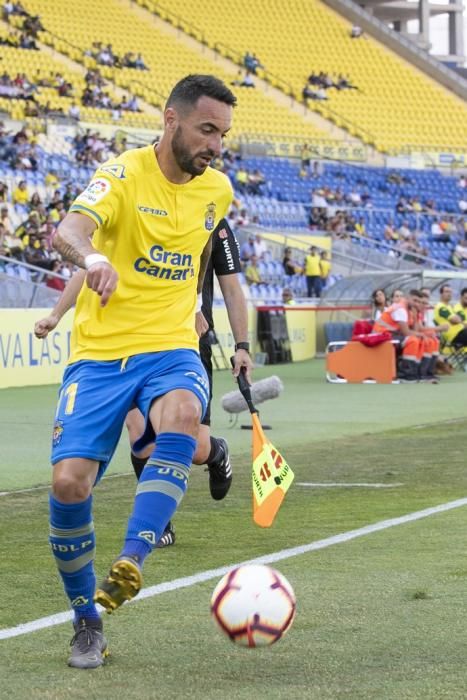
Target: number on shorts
{"x": 70, "y": 393}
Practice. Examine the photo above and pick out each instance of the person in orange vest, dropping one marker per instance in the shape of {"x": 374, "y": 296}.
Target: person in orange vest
{"x": 400, "y": 319}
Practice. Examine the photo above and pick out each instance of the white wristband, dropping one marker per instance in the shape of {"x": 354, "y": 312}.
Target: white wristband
{"x": 94, "y": 258}
{"x": 199, "y": 302}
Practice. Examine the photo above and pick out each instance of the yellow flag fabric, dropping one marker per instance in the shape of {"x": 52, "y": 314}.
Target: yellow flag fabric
{"x": 272, "y": 477}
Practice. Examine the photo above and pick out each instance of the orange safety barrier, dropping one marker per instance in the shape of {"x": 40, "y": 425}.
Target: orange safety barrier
{"x": 356, "y": 363}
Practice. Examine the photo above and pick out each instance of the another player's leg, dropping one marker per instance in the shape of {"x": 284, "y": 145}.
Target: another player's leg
{"x": 210, "y": 450}
{"x": 214, "y": 452}
{"x": 175, "y": 420}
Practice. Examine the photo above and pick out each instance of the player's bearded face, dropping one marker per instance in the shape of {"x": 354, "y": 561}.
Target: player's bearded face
{"x": 194, "y": 163}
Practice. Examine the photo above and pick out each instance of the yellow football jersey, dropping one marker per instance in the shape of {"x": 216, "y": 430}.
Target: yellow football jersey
{"x": 153, "y": 232}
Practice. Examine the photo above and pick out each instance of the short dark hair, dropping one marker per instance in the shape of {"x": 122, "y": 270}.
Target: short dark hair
{"x": 416, "y": 293}
{"x": 189, "y": 89}
{"x": 463, "y": 291}
{"x": 443, "y": 287}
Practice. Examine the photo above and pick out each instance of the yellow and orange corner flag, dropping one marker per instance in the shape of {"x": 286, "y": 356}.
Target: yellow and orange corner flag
{"x": 272, "y": 477}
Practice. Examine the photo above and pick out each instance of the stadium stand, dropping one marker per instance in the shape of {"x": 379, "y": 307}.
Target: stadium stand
{"x": 395, "y": 106}
{"x": 418, "y": 198}
{"x": 410, "y": 215}
{"x": 44, "y": 74}
{"x": 167, "y": 58}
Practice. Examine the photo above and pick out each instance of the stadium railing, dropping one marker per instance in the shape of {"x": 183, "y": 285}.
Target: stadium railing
{"x": 21, "y": 285}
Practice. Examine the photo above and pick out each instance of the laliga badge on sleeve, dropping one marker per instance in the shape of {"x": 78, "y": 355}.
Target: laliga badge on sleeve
{"x": 95, "y": 191}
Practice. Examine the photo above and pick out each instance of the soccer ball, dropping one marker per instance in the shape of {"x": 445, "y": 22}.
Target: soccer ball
{"x": 253, "y": 605}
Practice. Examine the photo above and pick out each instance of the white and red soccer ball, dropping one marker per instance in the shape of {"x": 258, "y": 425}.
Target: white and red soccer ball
{"x": 253, "y": 605}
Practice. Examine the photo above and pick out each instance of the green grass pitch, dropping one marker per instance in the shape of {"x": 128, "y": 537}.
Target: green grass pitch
{"x": 377, "y": 617}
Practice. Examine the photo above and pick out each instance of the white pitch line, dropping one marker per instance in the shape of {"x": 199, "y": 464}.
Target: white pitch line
{"x": 345, "y": 485}
{"x": 202, "y": 576}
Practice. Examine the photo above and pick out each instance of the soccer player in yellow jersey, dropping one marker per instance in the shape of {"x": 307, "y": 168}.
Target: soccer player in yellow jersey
{"x": 142, "y": 231}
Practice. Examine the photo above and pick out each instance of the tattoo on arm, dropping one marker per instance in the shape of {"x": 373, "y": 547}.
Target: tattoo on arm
{"x": 73, "y": 238}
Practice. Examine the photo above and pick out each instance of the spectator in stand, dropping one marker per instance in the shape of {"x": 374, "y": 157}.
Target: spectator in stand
{"x": 313, "y": 273}
{"x": 378, "y": 303}
{"x": 3, "y": 192}
{"x": 360, "y": 227}
{"x": 354, "y": 198}
{"x": 344, "y": 83}
{"x": 11, "y": 244}
{"x": 305, "y": 159}
{"x": 74, "y": 111}
{"x": 260, "y": 247}
{"x": 247, "y": 249}
{"x": 20, "y": 195}
{"x": 139, "y": 63}
{"x": 56, "y": 282}
{"x": 325, "y": 269}
{"x": 416, "y": 205}
{"x": 251, "y": 62}
{"x": 241, "y": 178}
{"x": 462, "y": 204}
{"x": 390, "y": 233}
{"x": 460, "y": 253}
{"x": 27, "y": 42}
{"x": 318, "y": 200}
{"x": 243, "y": 219}
{"x": 308, "y": 94}
{"x": 402, "y": 206}
{"x": 287, "y": 297}
{"x": 404, "y": 231}
{"x": 290, "y": 266}
{"x": 356, "y": 32}
{"x": 462, "y": 182}
{"x": 320, "y": 94}
{"x": 35, "y": 201}
{"x": 252, "y": 274}
{"x": 255, "y": 180}
{"x": 5, "y": 220}
{"x": 438, "y": 232}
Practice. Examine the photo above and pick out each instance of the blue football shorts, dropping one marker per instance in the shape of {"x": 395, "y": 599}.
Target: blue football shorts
{"x": 95, "y": 397}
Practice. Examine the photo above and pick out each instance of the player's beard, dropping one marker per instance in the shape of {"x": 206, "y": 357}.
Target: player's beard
{"x": 184, "y": 158}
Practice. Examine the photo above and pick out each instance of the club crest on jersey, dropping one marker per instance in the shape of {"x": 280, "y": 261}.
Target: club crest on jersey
{"x": 210, "y": 216}
{"x": 57, "y": 433}
{"x": 115, "y": 170}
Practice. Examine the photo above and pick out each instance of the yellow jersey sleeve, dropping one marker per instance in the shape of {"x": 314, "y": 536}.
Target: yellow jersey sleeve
{"x": 101, "y": 200}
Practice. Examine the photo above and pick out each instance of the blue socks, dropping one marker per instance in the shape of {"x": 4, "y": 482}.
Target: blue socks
{"x": 73, "y": 544}
{"x": 161, "y": 487}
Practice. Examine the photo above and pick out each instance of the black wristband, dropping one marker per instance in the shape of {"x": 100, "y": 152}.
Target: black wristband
{"x": 242, "y": 346}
